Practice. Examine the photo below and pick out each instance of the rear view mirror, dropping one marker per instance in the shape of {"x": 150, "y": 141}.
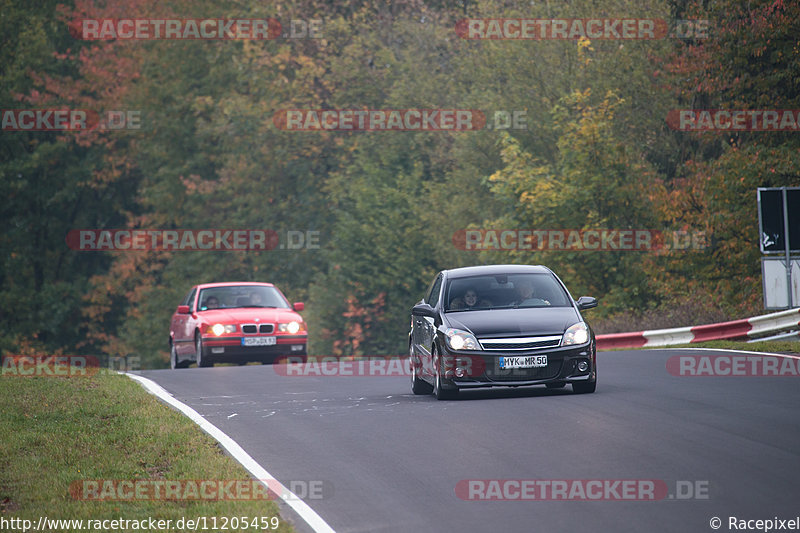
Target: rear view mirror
{"x": 298, "y": 306}
{"x": 586, "y": 302}
{"x": 183, "y": 310}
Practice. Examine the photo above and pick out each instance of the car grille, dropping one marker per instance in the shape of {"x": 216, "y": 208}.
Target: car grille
{"x": 521, "y": 343}
{"x": 495, "y": 373}
{"x": 252, "y": 329}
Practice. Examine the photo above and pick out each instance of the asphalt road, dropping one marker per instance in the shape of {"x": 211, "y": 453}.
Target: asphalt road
{"x": 389, "y": 461}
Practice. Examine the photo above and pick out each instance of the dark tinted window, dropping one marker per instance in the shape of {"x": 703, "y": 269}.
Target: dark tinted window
{"x": 505, "y": 291}
{"x": 433, "y": 294}
{"x": 189, "y": 299}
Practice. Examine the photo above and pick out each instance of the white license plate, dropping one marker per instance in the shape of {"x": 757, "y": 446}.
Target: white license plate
{"x": 258, "y": 341}
{"x": 523, "y": 361}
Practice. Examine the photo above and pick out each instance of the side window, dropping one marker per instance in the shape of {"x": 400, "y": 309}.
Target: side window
{"x": 433, "y": 295}
{"x": 189, "y": 300}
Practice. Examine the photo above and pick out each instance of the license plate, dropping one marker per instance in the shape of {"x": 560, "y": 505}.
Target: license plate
{"x": 258, "y": 341}
{"x": 523, "y": 361}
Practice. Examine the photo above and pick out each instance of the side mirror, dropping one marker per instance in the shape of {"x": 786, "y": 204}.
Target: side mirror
{"x": 298, "y": 306}
{"x": 183, "y": 310}
{"x": 586, "y": 302}
{"x": 423, "y": 309}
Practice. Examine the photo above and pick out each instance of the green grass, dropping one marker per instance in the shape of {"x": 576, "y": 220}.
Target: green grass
{"x": 784, "y": 347}
{"x": 57, "y": 431}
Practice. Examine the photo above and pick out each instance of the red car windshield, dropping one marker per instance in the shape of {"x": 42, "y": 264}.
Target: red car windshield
{"x": 240, "y": 296}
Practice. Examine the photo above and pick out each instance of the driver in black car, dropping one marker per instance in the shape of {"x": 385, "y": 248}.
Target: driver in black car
{"x": 527, "y": 294}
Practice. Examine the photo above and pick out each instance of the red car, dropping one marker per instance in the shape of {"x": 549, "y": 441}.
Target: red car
{"x": 235, "y": 323}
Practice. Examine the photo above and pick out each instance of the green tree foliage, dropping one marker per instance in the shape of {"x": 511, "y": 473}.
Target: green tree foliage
{"x": 596, "y": 153}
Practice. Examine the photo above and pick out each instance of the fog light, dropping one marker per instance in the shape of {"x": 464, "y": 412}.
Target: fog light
{"x": 217, "y": 350}
{"x": 298, "y": 347}
{"x": 583, "y": 366}
{"x": 460, "y": 372}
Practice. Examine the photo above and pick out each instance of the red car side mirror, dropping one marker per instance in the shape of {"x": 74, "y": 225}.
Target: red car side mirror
{"x": 298, "y": 306}
{"x": 183, "y": 310}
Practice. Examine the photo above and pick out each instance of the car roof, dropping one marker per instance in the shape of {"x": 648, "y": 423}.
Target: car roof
{"x": 496, "y": 269}
{"x": 234, "y": 284}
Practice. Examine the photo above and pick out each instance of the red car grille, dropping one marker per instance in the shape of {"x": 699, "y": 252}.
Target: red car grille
{"x": 252, "y": 329}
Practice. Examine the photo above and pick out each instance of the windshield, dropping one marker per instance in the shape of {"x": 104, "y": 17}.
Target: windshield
{"x": 505, "y": 291}
{"x": 240, "y": 296}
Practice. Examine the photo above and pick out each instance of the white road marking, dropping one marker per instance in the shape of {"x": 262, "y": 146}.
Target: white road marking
{"x": 258, "y": 472}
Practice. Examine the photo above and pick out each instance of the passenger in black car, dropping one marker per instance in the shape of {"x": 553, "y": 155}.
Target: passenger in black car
{"x": 469, "y": 300}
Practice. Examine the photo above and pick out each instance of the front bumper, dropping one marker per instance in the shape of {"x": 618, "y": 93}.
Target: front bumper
{"x": 481, "y": 368}
{"x": 231, "y": 350}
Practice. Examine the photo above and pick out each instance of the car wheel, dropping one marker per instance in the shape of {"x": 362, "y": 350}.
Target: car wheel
{"x": 418, "y": 386}
{"x": 202, "y": 362}
{"x": 584, "y": 387}
{"x": 438, "y": 391}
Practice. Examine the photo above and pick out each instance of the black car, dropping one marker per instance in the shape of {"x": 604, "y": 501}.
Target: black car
{"x": 500, "y": 325}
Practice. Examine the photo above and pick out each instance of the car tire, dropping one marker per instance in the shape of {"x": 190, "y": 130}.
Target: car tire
{"x": 202, "y": 362}
{"x": 173, "y": 359}
{"x": 438, "y": 391}
{"x": 418, "y": 386}
{"x": 584, "y": 387}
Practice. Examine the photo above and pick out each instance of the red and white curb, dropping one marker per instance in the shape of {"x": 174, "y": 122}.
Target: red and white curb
{"x": 734, "y": 330}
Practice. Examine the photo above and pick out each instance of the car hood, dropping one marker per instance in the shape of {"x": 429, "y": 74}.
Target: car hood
{"x": 248, "y": 315}
{"x": 515, "y": 322}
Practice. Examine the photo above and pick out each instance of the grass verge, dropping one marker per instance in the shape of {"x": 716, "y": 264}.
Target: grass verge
{"x": 59, "y": 432}
{"x": 782, "y": 347}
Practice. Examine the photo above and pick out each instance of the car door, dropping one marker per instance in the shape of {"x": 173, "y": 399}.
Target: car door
{"x": 427, "y": 328}
{"x": 183, "y": 332}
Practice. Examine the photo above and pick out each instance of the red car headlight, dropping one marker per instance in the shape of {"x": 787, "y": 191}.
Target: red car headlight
{"x": 292, "y": 327}
{"x": 219, "y": 329}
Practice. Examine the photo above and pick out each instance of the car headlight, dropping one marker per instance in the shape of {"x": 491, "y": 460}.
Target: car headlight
{"x": 575, "y": 334}
{"x": 219, "y": 329}
{"x": 290, "y": 327}
{"x": 458, "y": 339}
